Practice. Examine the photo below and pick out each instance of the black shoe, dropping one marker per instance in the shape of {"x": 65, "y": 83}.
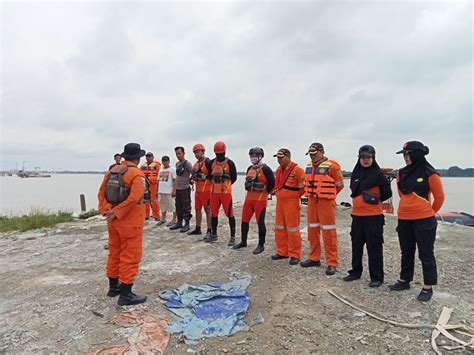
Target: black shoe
{"x": 330, "y": 270}
{"x": 294, "y": 261}
{"x": 375, "y": 283}
{"x": 127, "y": 297}
{"x": 278, "y": 257}
{"x": 259, "y": 249}
{"x": 178, "y": 225}
{"x": 147, "y": 218}
{"x": 157, "y": 219}
{"x": 240, "y": 245}
{"x": 196, "y": 231}
{"x": 425, "y": 294}
{"x": 114, "y": 287}
{"x": 160, "y": 223}
{"x": 310, "y": 263}
{"x": 184, "y": 229}
{"x": 399, "y": 286}
{"x": 231, "y": 241}
{"x": 351, "y": 277}
{"x": 210, "y": 239}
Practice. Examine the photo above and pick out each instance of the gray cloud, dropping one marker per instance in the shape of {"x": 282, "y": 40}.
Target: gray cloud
{"x": 79, "y": 80}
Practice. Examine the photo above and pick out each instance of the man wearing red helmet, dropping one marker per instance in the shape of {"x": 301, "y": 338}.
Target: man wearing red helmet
{"x": 222, "y": 174}
{"x": 202, "y": 195}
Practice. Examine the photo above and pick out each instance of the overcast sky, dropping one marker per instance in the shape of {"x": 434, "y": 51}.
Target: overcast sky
{"x": 81, "y": 79}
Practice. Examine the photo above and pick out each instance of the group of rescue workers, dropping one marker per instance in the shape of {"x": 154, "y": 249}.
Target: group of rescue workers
{"x": 128, "y": 193}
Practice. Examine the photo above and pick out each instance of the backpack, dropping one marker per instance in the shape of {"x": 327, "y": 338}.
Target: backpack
{"x": 115, "y": 189}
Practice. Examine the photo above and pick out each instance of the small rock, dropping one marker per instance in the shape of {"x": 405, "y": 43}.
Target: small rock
{"x": 224, "y": 350}
{"x": 359, "y": 314}
{"x": 414, "y": 314}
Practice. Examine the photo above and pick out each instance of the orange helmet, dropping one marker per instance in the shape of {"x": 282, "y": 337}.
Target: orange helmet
{"x": 198, "y": 146}
{"x": 219, "y": 147}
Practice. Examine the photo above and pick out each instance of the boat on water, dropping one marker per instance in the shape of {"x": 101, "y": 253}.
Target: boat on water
{"x": 32, "y": 174}
{"x": 461, "y": 218}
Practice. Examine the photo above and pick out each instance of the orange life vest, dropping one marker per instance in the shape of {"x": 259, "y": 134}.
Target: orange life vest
{"x": 255, "y": 181}
{"x": 199, "y": 175}
{"x": 220, "y": 175}
{"x": 151, "y": 170}
{"x": 318, "y": 182}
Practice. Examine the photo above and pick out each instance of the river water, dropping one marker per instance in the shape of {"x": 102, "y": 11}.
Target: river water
{"x": 61, "y": 192}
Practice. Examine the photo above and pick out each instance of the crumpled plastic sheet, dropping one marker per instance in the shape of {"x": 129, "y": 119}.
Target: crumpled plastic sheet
{"x": 209, "y": 310}
{"x": 149, "y": 336}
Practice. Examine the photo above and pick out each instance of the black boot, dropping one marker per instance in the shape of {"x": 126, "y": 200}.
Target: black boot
{"x": 242, "y": 244}
{"x": 259, "y": 249}
{"x": 196, "y": 231}
{"x": 210, "y": 238}
{"x": 178, "y": 225}
{"x": 185, "y": 227}
{"x": 127, "y": 297}
{"x": 114, "y": 287}
{"x": 231, "y": 241}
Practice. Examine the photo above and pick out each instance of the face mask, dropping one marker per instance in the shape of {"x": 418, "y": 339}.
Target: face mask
{"x": 220, "y": 156}
{"x": 254, "y": 160}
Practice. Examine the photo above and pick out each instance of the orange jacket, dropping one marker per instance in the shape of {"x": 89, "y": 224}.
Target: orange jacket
{"x": 362, "y": 208}
{"x": 129, "y": 212}
{"x": 323, "y": 180}
{"x": 412, "y": 206}
{"x": 293, "y": 187}
{"x": 151, "y": 171}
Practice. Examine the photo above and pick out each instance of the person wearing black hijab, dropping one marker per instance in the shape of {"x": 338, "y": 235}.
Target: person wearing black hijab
{"x": 369, "y": 189}
{"x": 417, "y": 182}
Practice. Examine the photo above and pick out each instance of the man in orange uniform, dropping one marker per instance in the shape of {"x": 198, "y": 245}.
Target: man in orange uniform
{"x": 323, "y": 182}
{"x": 121, "y": 203}
{"x": 202, "y": 194}
{"x": 223, "y": 174}
{"x": 151, "y": 168}
{"x": 289, "y": 187}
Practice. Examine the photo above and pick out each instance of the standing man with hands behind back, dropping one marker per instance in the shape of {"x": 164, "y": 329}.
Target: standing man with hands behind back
{"x": 121, "y": 198}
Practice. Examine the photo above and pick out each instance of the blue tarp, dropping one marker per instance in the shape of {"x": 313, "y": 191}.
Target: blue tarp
{"x": 212, "y": 309}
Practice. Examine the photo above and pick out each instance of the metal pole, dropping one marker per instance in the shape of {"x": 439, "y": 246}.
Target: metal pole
{"x": 83, "y": 202}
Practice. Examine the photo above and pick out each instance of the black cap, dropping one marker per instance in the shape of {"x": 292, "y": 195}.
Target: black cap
{"x": 367, "y": 150}
{"x": 165, "y": 158}
{"x": 282, "y": 152}
{"x": 314, "y": 148}
{"x": 132, "y": 151}
{"x": 413, "y": 146}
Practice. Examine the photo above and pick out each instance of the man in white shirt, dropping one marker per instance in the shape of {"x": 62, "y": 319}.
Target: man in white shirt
{"x": 167, "y": 190}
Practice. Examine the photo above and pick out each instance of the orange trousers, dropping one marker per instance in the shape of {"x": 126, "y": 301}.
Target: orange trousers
{"x": 287, "y": 228}
{"x": 322, "y": 216}
{"x": 125, "y": 252}
{"x": 155, "y": 205}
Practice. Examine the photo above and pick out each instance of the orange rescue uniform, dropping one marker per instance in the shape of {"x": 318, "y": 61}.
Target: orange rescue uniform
{"x": 323, "y": 182}
{"x": 413, "y": 206}
{"x": 289, "y": 187}
{"x": 126, "y": 229}
{"x": 151, "y": 171}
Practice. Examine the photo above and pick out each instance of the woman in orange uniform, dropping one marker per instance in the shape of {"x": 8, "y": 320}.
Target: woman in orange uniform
{"x": 421, "y": 196}
{"x": 369, "y": 188}
{"x": 259, "y": 182}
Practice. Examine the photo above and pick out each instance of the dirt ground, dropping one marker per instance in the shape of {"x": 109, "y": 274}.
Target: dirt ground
{"x": 54, "y": 291}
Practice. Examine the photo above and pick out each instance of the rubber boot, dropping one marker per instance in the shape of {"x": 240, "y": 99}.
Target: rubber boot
{"x": 127, "y": 297}
{"x": 114, "y": 287}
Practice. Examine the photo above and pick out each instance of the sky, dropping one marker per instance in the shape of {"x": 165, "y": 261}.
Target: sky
{"x": 80, "y": 79}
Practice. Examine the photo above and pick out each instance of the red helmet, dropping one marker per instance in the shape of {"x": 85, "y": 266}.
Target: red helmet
{"x": 219, "y": 147}
{"x": 198, "y": 146}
